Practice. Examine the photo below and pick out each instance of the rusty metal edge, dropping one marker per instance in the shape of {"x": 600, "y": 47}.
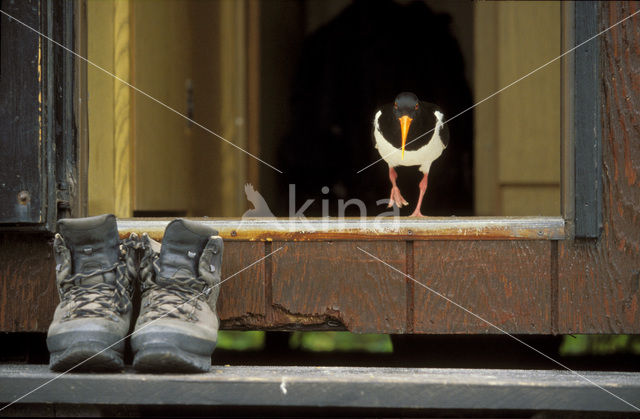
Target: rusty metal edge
{"x": 350, "y": 229}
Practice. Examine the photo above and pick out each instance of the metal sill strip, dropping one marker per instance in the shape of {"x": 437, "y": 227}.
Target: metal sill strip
{"x": 323, "y": 229}
{"x": 419, "y": 388}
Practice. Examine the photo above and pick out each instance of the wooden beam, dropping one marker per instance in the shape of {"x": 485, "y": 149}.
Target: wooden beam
{"x": 317, "y": 229}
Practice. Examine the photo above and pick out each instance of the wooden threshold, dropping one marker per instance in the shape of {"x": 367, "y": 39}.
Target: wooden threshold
{"x": 344, "y": 387}
{"x": 323, "y": 229}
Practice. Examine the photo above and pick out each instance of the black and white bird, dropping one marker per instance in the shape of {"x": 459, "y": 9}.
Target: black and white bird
{"x": 409, "y": 132}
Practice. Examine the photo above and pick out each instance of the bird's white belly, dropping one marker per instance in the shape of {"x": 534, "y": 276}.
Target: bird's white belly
{"x": 422, "y": 157}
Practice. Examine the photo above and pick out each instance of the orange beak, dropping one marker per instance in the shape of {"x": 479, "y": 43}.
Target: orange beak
{"x": 405, "y": 122}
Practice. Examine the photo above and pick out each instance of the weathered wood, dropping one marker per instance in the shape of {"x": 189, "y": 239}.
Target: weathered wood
{"x": 599, "y": 281}
{"x": 23, "y": 149}
{"x": 28, "y": 294}
{"x": 402, "y": 228}
{"x": 242, "y": 296}
{"x": 505, "y": 283}
{"x": 334, "y": 285}
{"x": 417, "y": 388}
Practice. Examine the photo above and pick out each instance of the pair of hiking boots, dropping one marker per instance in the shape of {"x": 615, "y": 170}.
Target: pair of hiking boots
{"x": 97, "y": 275}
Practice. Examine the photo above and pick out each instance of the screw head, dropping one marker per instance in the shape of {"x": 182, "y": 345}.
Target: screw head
{"x": 24, "y": 197}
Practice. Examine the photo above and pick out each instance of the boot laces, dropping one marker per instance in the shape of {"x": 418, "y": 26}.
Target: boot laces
{"x": 102, "y": 299}
{"x": 177, "y": 298}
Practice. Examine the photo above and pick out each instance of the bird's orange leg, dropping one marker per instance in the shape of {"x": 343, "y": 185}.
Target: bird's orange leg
{"x": 423, "y": 189}
{"x": 396, "y": 197}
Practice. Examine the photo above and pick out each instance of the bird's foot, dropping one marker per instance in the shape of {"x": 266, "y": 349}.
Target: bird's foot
{"x": 396, "y": 198}
{"x": 418, "y": 214}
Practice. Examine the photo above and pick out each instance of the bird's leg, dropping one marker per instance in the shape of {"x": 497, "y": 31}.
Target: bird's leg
{"x": 395, "y": 197}
{"x": 423, "y": 189}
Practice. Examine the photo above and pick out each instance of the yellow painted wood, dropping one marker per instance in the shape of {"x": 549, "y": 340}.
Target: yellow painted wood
{"x": 487, "y": 197}
{"x": 205, "y": 158}
{"x": 161, "y": 148}
{"x": 178, "y": 167}
{"x": 531, "y": 200}
{"x": 122, "y": 116}
{"x": 517, "y": 138}
{"x": 233, "y": 105}
{"x": 100, "y": 87}
{"x": 529, "y": 112}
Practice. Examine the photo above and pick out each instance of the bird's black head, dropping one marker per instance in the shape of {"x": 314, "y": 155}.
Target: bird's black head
{"x": 406, "y": 104}
{"x": 406, "y": 108}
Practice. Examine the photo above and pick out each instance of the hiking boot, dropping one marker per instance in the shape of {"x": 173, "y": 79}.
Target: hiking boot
{"x": 94, "y": 276}
{"x": 177, "y": 328}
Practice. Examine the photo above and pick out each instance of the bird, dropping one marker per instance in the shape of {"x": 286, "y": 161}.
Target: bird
{"x": 409, "y": 132}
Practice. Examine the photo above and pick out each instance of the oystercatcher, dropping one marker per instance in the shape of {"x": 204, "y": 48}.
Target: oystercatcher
{"x": 409, "y": 132}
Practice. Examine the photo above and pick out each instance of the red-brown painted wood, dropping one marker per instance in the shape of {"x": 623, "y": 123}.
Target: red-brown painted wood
{"x": 28, "y": 294}
{"x": 599, "y": 281}
{"x": 336, "y": 286}
{"x": 241, "y": 303}
{"x": 505, "y": 283}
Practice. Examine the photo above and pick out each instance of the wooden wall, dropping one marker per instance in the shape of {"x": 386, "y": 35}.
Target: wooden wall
{"x": 599, "y": 281}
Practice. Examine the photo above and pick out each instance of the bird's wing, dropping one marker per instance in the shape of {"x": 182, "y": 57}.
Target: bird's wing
{"x": 438, "y": 114}
{"x": 376, "y": 125}
{"x": 384, "y": 123}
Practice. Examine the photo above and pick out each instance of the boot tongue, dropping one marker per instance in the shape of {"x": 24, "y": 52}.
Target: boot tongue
{"x": 182, "y": 245}
{"x": 94, "y": 244}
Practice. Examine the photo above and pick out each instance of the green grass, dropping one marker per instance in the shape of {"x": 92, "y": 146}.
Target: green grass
{"x": 377, "y": 343}
{"x": 308, "y": 341}
{"x": 240, "y": 341}
{"x": 340, "y": 341}
{"x": 600, "y": 345}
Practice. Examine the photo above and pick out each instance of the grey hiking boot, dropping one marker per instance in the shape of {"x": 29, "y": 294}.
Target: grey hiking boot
{"x": 177, "y": 328}
{"x": 94, "y": 276}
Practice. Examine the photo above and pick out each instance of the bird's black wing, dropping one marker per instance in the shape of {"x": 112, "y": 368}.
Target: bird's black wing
{"x": 431, "y": 109}
{"x": 389, "y": 126}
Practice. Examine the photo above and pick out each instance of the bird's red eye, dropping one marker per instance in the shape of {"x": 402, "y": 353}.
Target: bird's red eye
{"x": 395, "y": 105}
{"x": 416, "y": 106}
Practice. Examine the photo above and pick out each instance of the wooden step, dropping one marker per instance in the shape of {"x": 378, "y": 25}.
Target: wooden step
{"x": 338, "y": 387}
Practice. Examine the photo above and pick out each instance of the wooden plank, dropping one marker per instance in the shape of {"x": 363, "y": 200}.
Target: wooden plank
{"x": 254, "y": 49}
{"x": 110, "y": 104}
{"x": 408, "y": 388}
{"x": 336, "y": 286}
{"x": 28, "y": 294}
{"x": 242, "y": 296}
{"x": 232, "y": 106}
{"x": 567, "y": 166}
{"x": 402, "y": 228}
{"x": 587, "y": 124}
{"x": 485, "y": 144}
{"x": 80, "y": 199}
{"x": 100, "y": 16}
{"x": 23, "y": 128}
{"x": 506, "y": 283}
{"x": 122, "y": 110}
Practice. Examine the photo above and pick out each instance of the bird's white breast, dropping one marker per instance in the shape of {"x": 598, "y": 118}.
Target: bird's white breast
{"x": 422, "y": 157}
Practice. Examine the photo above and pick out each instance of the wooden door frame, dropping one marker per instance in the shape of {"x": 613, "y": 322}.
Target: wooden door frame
{"x": 555, "y": 285}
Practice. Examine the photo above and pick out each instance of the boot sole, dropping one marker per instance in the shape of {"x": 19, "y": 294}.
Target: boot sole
{"x": 86, "y": 357}
{"x": 171, "y": 353}
{"x": 170, "y": 359}
{"x": 85, "y": 351}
